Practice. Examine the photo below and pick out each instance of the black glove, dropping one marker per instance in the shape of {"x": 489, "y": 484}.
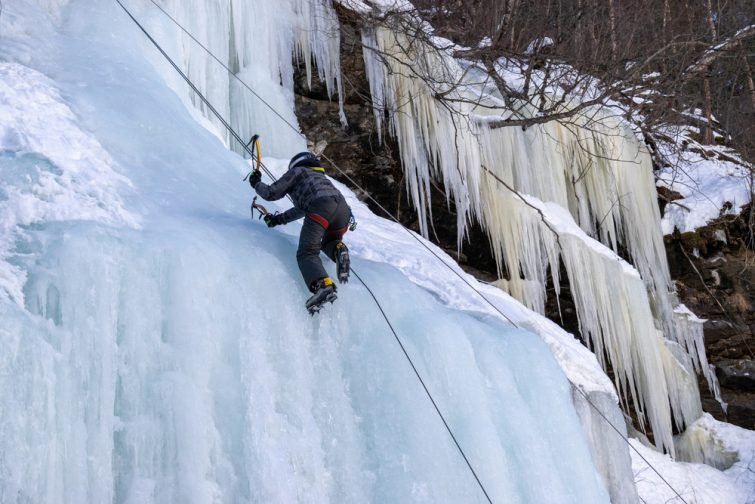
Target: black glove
{"x": 255, "y": 178}
{"x": 273, "y": 220}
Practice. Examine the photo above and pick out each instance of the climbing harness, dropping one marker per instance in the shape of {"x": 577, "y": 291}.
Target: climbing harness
{"x": 352, "y": 224}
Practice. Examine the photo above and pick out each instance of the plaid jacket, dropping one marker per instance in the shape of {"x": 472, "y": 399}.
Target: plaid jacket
{"x": 303, "y": 184}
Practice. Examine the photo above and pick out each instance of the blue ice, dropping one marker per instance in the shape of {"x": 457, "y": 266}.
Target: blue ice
{"x": 174, "y": 361}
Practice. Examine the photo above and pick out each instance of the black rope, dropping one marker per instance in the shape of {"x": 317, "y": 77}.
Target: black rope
{"x": 411, "y": 233}
{"x": 626, "y": 440}
{"x": 427, "y": 391}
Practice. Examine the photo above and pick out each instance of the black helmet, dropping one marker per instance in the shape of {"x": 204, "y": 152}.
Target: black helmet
{"x": 304, "y": 159}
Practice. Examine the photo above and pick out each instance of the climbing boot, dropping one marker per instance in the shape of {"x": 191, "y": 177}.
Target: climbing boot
{"x": 342, "y": 262}
{"x": 324, "y": 290}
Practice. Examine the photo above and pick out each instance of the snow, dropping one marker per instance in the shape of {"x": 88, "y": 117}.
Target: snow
{"x": 153, "y": 345}
{"x": 371, "y": 6}
{"x": 706, "y": 186}
{"x": 60, "y": 176}
{"x": 537, "y": 45}
{"x": 727, "y": 446}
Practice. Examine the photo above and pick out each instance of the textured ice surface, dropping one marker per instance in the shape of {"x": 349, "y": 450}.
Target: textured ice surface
{"x": 52, "y": 170}
{"x": 173, "y": 361}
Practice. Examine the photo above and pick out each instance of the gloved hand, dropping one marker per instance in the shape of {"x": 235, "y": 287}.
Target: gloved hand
{"x": 272, "y": 220}
{"x": 255, "y": 178}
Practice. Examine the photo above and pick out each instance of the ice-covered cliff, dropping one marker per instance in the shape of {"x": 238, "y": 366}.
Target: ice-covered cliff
{"x": 153, "y": 344}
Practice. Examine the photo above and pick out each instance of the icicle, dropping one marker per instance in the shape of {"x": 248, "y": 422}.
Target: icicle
{"x": 318, "y": 34}
{"x": 611, "y": 301}
{"x": 375, "y": 79}
{"x": 683, "y": 393}
{"x": 689, "y": 332}
{"x": 427, "y": 134}
{"x": 257, "y": 40}
{"x": 609, "y": 451}
{"x": 590, "y": 180}
{"x": 209, "y": 22}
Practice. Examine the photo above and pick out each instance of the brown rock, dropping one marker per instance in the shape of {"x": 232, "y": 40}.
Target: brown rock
{"x": 716, "y": 330}
{"x": 736, "y": 374}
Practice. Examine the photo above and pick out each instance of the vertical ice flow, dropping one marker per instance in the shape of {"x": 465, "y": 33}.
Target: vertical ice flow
{"x": 582, "y": 191}
{"x": 159, "y": 351}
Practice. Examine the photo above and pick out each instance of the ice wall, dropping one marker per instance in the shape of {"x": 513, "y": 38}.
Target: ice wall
{"x": 590, "y": 191}
{"x": 608, "y": 449}
{"x": 263, "y": 121}
{"x": 167, "y": 357}
{"x": 65, "y": 176}
{"x": 130, "y": 393}
{"x": 256, "y": 40}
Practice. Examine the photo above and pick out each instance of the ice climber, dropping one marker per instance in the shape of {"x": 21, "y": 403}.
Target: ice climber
{"x": 326, "y": 219}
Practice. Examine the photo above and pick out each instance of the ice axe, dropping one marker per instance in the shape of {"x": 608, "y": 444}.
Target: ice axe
{"x": 261, "y": 209}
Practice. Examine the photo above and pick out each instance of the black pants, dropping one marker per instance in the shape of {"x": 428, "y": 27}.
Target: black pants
{"x": 324, "y": 225}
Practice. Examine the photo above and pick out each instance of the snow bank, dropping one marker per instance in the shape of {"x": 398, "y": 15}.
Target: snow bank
{"x": 709, "y": 188}
{"x": 718, "y": 444}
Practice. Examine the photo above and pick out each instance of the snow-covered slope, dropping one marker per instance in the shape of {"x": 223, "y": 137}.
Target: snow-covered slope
{"x": 711, "y": 185}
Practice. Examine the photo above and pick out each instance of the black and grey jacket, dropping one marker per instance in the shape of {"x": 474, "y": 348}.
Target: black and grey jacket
{"x": 304, "y": 183}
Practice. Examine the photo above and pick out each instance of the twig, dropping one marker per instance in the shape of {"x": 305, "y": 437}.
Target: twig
{"x": 524, "y": 200}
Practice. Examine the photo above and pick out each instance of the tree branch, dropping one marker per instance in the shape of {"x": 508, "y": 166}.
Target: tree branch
{"x": 712, "y": 54}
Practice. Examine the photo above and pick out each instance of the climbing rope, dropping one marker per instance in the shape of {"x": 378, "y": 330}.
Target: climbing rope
{"x": 382, "y": 311}
{"x": 621, "y": 435}
{"x": 427, "y": 391}
{"x": 414, "y": 235}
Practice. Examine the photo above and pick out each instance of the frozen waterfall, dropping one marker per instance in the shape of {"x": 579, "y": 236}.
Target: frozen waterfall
{"x": 154, "y": 347}
{"x": 548, "y": 195}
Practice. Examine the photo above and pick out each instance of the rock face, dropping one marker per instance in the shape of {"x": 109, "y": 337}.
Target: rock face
{"x": 737, "y": 374}
{"x": 714, "y": 267}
